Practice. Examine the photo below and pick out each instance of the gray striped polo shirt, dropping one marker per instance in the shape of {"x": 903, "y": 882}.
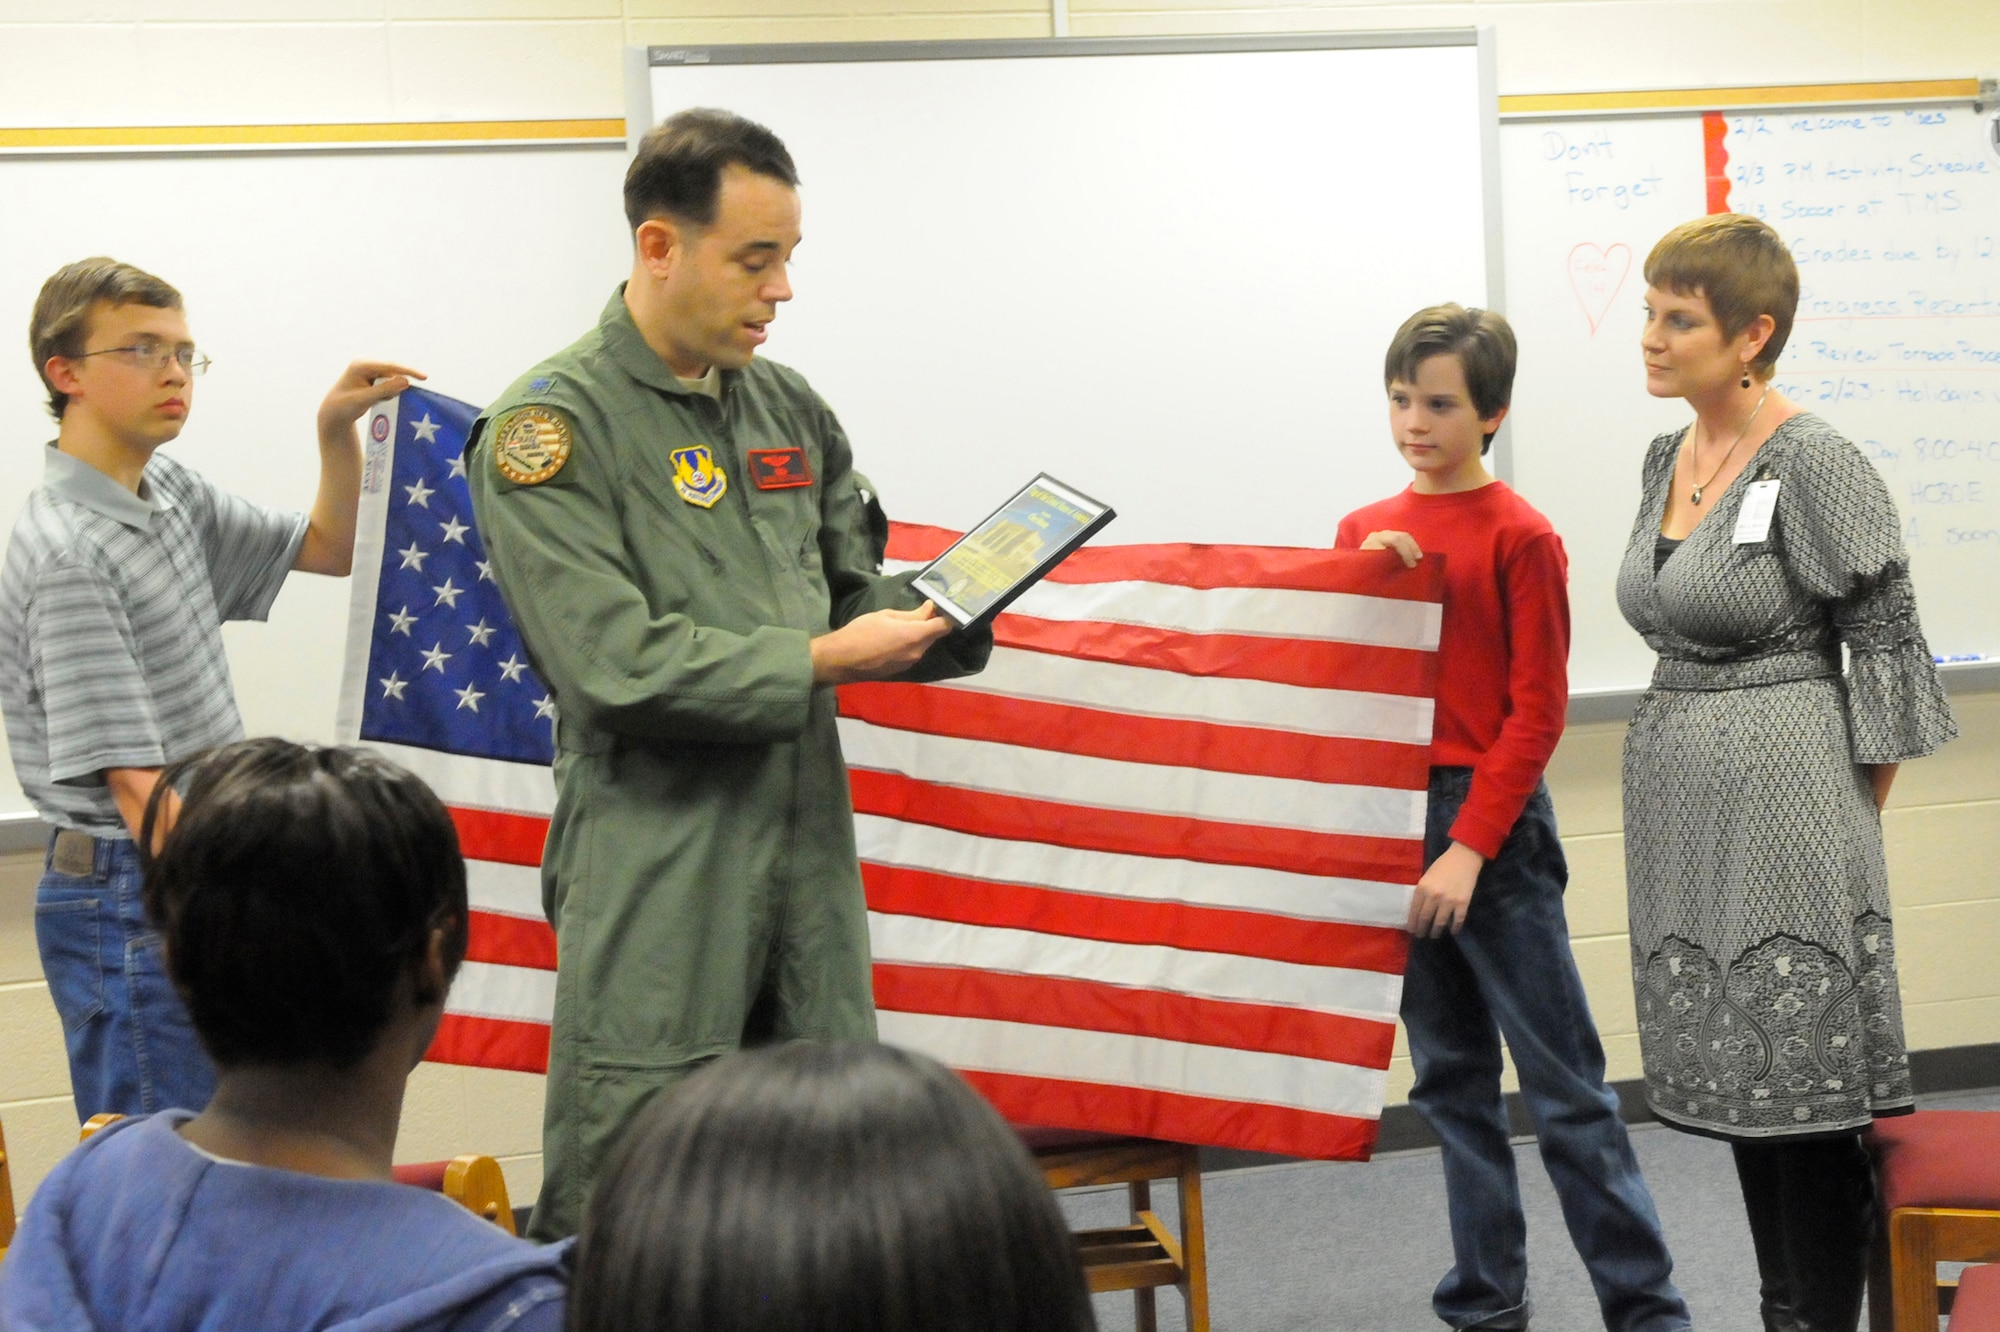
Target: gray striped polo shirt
{"x": 111, "y": 611}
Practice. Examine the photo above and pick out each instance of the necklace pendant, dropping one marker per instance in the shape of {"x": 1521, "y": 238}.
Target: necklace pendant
{"x": 1695, "y": 495}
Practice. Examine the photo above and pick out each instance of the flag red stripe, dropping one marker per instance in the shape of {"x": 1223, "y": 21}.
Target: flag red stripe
{"x": 1184, "y": 564}
{"x": 1292, "y": 661}
{"x": 491, "y": 1043}
{"x": 1173, "y": 1117}
{"x": 512, "y": 941}
{"x": 1016, "y": 818}
{"x": 1310, "y": 943}
{"x": 1258, "y": 751}
{"x": 1094, "y": 1006}
{"x": 510, "y": 839}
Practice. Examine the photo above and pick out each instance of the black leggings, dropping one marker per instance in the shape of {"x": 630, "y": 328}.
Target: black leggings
{"x": 1811, "y": 1205}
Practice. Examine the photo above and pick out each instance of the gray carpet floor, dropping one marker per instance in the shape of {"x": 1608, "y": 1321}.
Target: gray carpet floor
{"x": 1332, "y": 1247}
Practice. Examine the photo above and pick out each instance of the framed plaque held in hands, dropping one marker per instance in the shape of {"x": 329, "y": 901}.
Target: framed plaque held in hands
{"x": 1012, "y": 549}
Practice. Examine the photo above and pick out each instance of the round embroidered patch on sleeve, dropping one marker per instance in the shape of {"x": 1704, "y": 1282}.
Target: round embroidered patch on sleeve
{"x": 530, "y": 445}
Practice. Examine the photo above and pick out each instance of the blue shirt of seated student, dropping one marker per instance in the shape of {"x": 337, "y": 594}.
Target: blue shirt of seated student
{"x": 137, "y": 1229}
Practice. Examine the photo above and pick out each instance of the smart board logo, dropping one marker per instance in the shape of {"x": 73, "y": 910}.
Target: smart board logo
{"x": 676, "y": 55}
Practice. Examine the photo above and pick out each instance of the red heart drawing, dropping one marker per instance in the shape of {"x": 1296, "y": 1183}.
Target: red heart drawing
{"x": 1596, "y": 275}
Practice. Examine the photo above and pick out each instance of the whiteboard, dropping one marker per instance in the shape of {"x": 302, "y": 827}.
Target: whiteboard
{"x": 1892, "y": 214}
{"x": 1164, "y": 271}
{"x": 470, "y": 264}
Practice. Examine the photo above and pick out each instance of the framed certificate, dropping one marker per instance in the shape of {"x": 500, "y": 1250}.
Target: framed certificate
{"x": 1011, "y": 550}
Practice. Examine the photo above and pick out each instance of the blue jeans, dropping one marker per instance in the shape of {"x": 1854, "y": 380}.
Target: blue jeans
{"x": 132, "y": 1049}
{"x": 1510, "y": 973}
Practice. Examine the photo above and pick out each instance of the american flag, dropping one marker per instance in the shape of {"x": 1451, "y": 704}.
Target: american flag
{"x": 1145, "y": 874}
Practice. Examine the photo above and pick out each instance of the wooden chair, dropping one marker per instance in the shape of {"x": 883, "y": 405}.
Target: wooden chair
{"x": 1939, "y": 1176}
{"x": 472, "y": 1181}
{"x": 1141, "y": 1256}
{"x": 6, "y": 1197}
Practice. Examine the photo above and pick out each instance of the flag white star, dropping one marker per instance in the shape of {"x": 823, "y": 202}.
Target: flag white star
{"x": 435, "y": 659}
{"x": 480, "y": 632}
{"x": 414, "y": 557}
{"x": 545, "y": 707}
{"x": 400, "y": 622}
{"x": 469, "y": 697}
{"x": 394, "y": 686}
{"x": 458, "y": 465}
{"x": 426, "y": 430}
{"x": 510, "y": 669}
{"x": 419, "y": 493}
{"x": 448, "y": 595}
{"x": 454, "y": 530}
{"x": 485, "y": 570}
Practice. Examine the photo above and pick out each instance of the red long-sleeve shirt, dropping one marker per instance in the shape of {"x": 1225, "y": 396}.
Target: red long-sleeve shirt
{"x": 1503, "y": 656}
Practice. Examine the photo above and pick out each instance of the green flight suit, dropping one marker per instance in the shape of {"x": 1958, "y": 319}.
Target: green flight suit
{"x": 700, "y": 870}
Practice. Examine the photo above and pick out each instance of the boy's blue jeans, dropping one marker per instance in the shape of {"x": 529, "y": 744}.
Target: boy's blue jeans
{"x": 132, "y": 1049}
{"x": 1510, "y": 972}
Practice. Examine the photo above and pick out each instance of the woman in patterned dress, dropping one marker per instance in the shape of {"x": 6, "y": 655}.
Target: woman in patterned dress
{"x": 1762, "y": 952}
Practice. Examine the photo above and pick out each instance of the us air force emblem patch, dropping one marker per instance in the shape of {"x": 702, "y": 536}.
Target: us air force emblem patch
{"x": 697, "y": 478}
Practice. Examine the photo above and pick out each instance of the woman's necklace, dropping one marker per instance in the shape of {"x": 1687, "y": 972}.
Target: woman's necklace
{"x": 1694, "y": 496}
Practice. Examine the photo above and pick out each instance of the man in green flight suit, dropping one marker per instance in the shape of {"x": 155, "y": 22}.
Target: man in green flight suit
{"x": 673, "y": 523}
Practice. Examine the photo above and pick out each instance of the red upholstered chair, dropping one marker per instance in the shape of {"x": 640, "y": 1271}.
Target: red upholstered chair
{"x": 473, "y": 1182}
{"x": 1939, "y": 1172}
{"x": 1978, "y": 1306}
{"x": 6, "y": 1197}
{"x": 1143, "y": 1255}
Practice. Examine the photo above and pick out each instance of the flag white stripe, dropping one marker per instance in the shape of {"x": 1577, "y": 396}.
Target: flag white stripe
{"x": 1265, "y": 612}
{"x": 478, "y": 783}
{"x": 515, "y": 994}
{"x": 1143, "y": 691}
{"x": 1071, "y": 1055}
{"x": 506, "y": 890}
{"x": 917, "y": 941}
{"x": 919, "y": 846}
{"x": 1147, "y": 788}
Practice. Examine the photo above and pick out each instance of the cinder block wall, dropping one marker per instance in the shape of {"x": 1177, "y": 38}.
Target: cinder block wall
{"x": 118, "y": 62}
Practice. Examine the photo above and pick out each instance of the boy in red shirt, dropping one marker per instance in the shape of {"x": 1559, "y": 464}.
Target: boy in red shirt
{"x": 1491, "y": 955}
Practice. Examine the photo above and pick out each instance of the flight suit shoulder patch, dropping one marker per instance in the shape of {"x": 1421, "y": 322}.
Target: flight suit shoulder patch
{"x": 531, "y": 444}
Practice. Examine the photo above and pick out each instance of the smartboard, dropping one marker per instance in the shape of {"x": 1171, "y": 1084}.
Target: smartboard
{"x": 468, "y": 263}
{"x": 1165, "y": 271}
{"x": 1893, "y": 216}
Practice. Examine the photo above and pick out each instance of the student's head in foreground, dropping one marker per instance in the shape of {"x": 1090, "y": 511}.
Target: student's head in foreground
{"x": 112, "y": 346}
{"x": 824, "y": 1188}
{"x": 311, "y": 901}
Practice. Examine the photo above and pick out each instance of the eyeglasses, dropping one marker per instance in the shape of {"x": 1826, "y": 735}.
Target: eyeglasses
{"x": 152, "y": 355}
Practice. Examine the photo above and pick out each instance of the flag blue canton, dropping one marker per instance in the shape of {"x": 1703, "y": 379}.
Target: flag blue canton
{"x": 446, "y": 669}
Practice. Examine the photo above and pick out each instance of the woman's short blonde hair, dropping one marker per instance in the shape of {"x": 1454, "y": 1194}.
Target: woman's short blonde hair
{"x": 1740, "y": 266}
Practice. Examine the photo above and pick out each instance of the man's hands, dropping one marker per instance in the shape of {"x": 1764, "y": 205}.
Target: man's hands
{"x": 131, "y": 789}
{"x": 1402, "y": 543}
{"x": 876, "y": 645}
{"x": 328, "y": 547}
{"x": 1444, "y": 894}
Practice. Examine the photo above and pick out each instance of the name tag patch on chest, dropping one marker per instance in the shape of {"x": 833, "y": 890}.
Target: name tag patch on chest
{"x": 779, "y": 469}
{"x": 697, "y": 478}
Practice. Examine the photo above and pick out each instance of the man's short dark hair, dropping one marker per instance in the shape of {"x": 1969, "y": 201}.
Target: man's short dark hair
{"x": 678, "y": 168}
{"x": 1482, "y": 341}
{"x": 61, "y": 321}
{"x": 296, "y": 895}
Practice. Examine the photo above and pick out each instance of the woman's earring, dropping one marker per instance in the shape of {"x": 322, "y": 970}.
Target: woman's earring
{"x": 1746, "y": 376}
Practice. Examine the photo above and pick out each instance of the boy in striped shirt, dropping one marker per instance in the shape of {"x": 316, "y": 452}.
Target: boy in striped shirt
{"x": 119, "y": 574}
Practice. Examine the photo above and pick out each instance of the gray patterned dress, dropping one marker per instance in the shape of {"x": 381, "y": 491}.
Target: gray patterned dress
{"x": 1762, "y": 952}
